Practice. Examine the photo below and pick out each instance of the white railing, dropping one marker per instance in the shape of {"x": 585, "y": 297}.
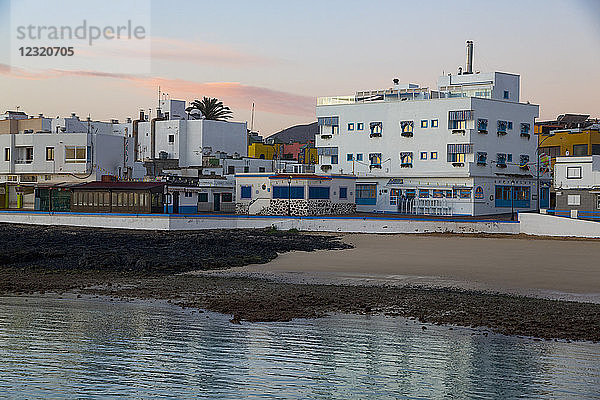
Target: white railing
{"x": 417, "y": 206}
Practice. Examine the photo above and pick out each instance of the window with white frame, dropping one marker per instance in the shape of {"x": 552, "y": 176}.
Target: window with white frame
{"x": 75, "y": 154}
{"x": 573, "y": 200}
{"x": 573, "y": 172}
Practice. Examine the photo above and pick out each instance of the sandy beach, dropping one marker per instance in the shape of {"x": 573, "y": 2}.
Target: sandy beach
{"x": 519, "y": 264}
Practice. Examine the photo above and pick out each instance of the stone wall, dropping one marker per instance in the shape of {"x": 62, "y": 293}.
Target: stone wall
{"x": 301, "y": 208}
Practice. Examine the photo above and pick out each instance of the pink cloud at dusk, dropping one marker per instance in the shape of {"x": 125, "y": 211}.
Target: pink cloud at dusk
{"x": 234, "y": 94}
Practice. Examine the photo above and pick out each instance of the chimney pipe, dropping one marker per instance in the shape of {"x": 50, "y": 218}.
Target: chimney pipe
{"x": 469, "y": 69}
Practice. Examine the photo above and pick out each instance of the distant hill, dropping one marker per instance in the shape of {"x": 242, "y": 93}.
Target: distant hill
{"x": 296, "y": 133}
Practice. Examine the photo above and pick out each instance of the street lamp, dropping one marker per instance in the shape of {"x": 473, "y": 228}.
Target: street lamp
{"x": 289, "y": 194}
{"x": 539, "y": 192}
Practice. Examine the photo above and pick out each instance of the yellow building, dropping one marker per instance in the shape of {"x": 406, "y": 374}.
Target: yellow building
{"x": 571, "y": 142}
{"x": 265, "y": 151}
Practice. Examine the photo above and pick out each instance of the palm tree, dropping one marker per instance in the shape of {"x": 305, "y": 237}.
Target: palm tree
{"x": 209, "y": 108}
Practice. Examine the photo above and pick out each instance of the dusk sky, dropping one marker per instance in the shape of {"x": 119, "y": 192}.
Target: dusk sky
{"x": 283, "y": 54}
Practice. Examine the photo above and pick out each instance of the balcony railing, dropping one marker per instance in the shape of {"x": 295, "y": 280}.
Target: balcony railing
{"x": 24, "y": 161}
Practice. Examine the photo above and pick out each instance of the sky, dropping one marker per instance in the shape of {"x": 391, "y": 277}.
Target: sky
{"x": 281, "y": 55}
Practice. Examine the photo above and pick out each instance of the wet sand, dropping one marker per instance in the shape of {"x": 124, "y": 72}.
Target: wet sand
{"x": 511, "y": 264}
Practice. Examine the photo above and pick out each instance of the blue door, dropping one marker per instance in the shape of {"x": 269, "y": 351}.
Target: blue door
{"x": 544, "y": 197}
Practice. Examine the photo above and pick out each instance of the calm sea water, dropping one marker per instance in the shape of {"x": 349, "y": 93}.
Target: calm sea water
{"x": 93, "y": 348}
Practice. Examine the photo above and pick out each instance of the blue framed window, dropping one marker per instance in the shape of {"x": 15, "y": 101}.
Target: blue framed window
{"x": 318, "y": 192}
{"x": 359, "y": 157}
{"x": 521, "y": 196}
{"x": 434, "y": 155}
{"x": 506, "y": 94}
{"x": 434, "y": 123}
{"x": 360, "y": 126}
{"x": 295, "y": 192}
{"x": 349, "y": 157}
{"x": 423, "y": 193}
{"x": 366, "y": 194}
{"x": 351, "y": 126}
{"x": 423, "y": 155}
{"x": 343, "y": 193}
{"x": 509, "y": 158}
{"x": 509, "y": 125}
{"x": 423, "y": 123}
{"x": 246, "y": 192}
{"x": 334, "y": 159}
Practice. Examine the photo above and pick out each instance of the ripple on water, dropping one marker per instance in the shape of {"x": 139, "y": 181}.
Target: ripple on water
{"x": 64, "y": 348}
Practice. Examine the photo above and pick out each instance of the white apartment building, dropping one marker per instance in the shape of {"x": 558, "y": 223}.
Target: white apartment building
{"x": 66, "y": 150}
{"x": 459, "y": 150}
{"x": 173, "y": 136}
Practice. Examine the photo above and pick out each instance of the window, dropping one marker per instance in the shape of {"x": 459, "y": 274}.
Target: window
{"x": 434, "y": 155}
{"x": 261, "y": 169}
{"x": 580, "y": 150}
{"x": 366, "y": 194}
{"x": 481, "y": 158}
{"x": 423, "y": 123}
{"x": 598, "y": 201}
{"x": 551, "y": 151}
{"x": 285, "y": 192}
{"x": 230, "y": 170}
{"x": 502, "y": 127}
{"x": 574, "y": 200}
{"x": 506, "y": 94}
{"x": 75, "y": 154}
{"x": 246, "y": 169}
{"x": 479, "y": 193}
{"x": 351, "y": 126}
{"x": 438, "y": 194}
{"x": 394, "y": 194}
{"x": 49, "y": 153}
{"x": 202, "y": 197}
{"x": 521, "y": 196}
{"x": 375, "y": 159}
{"x": 501, "y": 160}
{"x": 434, "y": 123}
{"x": 458, "y": 125}
{"x": 457, "y": 153}
{"x": 524, "y": 161}
{"x": 423, "y": 155}
{"x": 525, "y": 128}
{"x": 406, "y": 158}
{"x": 464, "y": 193}
{"x": 595, "y": 149}
{"x": 509, "y": 158}
{"x": 171, "y": 138}
{"x": 187, "y": 194}
{"x": 423, "y": 193}
{"x": 509, "y": 125}
{"x": 7, "y": 154}
{"x": 334, "y": 159}
{"x": 349, "y": 157}
{"x": 457, "y": 120}
{"x": 360, "y": 126}
{"x": 343, "y": 193}
{"x": 376, "y": 128}
{"x": 573, "y": 172}
{"x": 407, "y": 127}
{"x": 335, "y": 129}
{"x": 359, "y": 157}
{"x": 318, "y": 192}
{"x": 226, "y": 197}
{"x": 482, "y": 125}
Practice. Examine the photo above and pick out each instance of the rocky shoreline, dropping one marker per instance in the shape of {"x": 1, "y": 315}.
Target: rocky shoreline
{"x": 151, "y": 265}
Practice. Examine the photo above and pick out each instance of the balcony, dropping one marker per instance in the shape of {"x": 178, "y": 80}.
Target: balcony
{"x": 326, "y": 136}
{"x": 501, "y": 133}
{"x": 375, "y": 166}
{"x": 525, "y": 135}
{"x": 407, "y": 134}
{"x": 405, "y": 165}
{"x": 458, "y": 164}
{"x": 482, "y": 131}
{"x": 375, "y": 134}
{"x": 501, "y": 164}
{"x": 325, "y": 168}
{"x": 24, "y": 161}
{"x": 458, "y": 131}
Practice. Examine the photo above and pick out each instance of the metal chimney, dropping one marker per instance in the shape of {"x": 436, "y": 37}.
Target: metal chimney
{"x": 469, "y": 69}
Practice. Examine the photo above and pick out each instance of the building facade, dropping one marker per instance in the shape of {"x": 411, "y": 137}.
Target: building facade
{"x": 295, "y": 194}
{"x": 577, "y": 185}
{"x": 460, "y": 150}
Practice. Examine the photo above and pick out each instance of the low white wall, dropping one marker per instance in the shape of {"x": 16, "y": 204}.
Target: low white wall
{"x": 87, "y": 220}
{"x": 550, "y": 225}
{"x": 314, "y": 224}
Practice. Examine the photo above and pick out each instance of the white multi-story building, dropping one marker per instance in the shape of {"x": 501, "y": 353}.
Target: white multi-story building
{"x": 173, "y": 136}
{"x": 65, "y": 150}
{"x": 461, "y": 150}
